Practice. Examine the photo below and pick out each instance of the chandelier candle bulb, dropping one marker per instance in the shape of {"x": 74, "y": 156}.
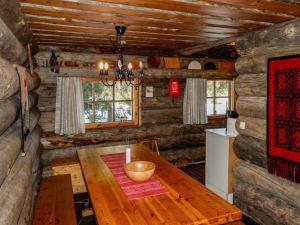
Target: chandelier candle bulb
{"x": 101, "y": 66}
{"x": 141, "y": 65}
{"x": 119, "y": 64}
{"x": 129, "y": 66}
{"x": 106, "y": 66}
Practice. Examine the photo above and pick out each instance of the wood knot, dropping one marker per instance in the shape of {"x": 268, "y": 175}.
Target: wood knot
{"x": 289, "y": 31}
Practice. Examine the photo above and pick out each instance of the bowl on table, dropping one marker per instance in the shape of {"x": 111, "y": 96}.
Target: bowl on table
{"x": 139, "y": 171}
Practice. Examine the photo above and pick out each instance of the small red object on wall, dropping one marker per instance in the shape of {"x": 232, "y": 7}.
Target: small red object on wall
{"x": 174, "y": 87}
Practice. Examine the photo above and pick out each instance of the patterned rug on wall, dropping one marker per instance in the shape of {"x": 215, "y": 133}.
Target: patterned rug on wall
{"x": 283, "y": 129}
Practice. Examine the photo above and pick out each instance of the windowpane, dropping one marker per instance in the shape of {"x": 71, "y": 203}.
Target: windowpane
{"x": 123, "y": 111}
{"x": 210, "y": 106}
{"x": 210, "y": 88}
{"x": 102, "y": 92}
{"x": 122, "y": 91}
{"x": 222, "y": 88}
{"x": 88, "y": 113}
{"x": 87, "y": 91}
{"x": 103, "y": 112}
{"x": 221, "y": 105}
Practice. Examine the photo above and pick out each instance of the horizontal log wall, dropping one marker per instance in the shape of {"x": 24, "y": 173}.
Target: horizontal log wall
{"x": 19, "y": 175}
{"x": 159, "y": 116}
{"x": 263, "y": 196}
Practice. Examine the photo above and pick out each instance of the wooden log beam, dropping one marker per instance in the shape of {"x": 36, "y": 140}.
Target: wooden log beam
{"x": 190, "y": 153}
{"x": 10, "y": 13}
{"x": 254, "y": 43}
{"x": 10, "y": 108}
{"x": 255, "y": 127}
{"x": 268, "y": 210}
{"x": 251, "y": 85}
{"x": 149, "y": 73}
{"x": 10, "y": 143}
{"x": 255, "y": 107}
{"x": 181, "y": 141}
{"x": 268, "y": 183}
{"x": 257, "y": 64}
{"x": 52, "y": 141}
{"x": 202, "y": 47}
{"x": 9, "y": 80}
{"x": 28, "y": 208}
{"x": 161, "y": 116}
{"x": 251, "y": 149}
{"x": 10, "y": 47}
{"x": 14, "y": 188}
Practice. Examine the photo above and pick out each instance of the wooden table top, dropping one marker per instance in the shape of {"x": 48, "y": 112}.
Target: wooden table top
{"x": 187, "y": 202}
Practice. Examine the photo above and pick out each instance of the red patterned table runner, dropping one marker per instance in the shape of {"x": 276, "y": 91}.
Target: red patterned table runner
{"x": 133, "y": 190}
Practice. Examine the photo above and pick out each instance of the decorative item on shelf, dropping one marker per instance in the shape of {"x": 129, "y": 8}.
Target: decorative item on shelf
{"x": 53, "y": 62}
{"x": 210, "y": 66}
{"x": 194, "y": 65}
{"x": 153, "y": 61}
{"x": 122, "y": 73}
{"x": 173, "y": 88}
{"x": 172, "y": 62}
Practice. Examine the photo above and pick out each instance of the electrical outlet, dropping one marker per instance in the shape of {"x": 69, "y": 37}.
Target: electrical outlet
{"x": 242, "y": 125}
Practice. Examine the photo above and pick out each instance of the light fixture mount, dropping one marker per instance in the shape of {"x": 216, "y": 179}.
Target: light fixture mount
{"x": 120, "y": 30}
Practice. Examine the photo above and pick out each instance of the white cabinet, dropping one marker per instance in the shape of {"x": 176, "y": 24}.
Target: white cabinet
{"x": 219, "y": 159}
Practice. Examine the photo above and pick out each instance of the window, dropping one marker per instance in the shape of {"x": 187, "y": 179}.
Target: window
{"x": 109, "y": 106}
{"x": 218, "y": 97}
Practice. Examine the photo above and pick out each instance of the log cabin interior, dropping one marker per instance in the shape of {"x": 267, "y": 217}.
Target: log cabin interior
{"x": 149, "y": 112}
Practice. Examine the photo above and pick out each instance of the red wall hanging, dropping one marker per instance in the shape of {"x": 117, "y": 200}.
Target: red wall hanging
{"x": 283, "y": 129}
{"x": 173, "y": 88}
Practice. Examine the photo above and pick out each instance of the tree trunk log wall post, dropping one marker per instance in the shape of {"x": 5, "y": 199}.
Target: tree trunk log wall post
{"x": 13, "y": 190}
{"x": 263, "y": 196}
{"x": 10, "y": 143}
{"x": 18, "y": 174}
{"x": 10, "y": 47}
{"x": 10, "y": 108}
{"x": 10, "y": 13}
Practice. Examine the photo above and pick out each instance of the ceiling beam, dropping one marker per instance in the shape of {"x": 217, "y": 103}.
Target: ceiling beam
{"x": 270, "y": 5}
{"x": 48, "y": 11}
{"x": 198, "y": 48}
{"x": 205, "y": 8}
{"x": 61, "y": 21}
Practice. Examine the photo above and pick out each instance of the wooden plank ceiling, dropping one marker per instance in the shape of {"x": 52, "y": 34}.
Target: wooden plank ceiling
{"x": 174, "y": 26}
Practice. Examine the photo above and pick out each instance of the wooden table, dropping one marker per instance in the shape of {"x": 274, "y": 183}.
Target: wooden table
{"x": 187, "y": 202}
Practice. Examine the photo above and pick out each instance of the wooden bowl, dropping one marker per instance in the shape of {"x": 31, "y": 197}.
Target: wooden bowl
{"x": 139, "y": 171}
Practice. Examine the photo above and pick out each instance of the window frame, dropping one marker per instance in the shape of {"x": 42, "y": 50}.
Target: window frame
{"x": 135, "y": 109}
{"x": 231, "y": 96}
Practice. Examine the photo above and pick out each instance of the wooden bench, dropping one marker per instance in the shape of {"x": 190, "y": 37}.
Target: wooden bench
{"x": 70, "y": 166}
{"x": 55, "y": 203}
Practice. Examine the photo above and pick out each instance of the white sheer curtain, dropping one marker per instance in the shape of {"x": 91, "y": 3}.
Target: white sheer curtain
{"x": 69, "y": 114}
{"x": 194, "y": 102}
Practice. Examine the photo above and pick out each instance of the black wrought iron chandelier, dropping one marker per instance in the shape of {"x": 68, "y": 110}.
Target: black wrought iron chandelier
{"x": 123, "y": 73}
